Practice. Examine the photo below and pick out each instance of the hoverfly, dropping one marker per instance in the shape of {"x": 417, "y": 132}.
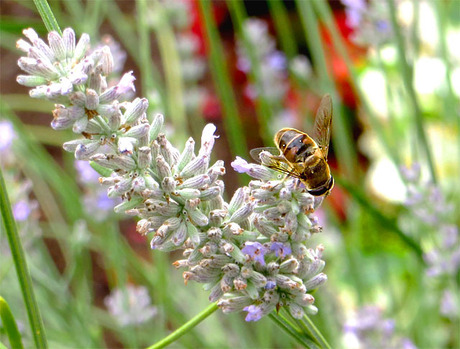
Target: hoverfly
{"x": 299, "y": 156}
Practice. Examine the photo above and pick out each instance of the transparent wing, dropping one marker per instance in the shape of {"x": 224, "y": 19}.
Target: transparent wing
{"x": 256, "y": 152}
{"x": 275, "y": 161}
{"x": 323, "y": 124}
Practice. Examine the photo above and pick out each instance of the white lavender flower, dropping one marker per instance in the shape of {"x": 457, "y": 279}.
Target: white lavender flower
{"x": 272, "y": 62}
{"x": 266, "y": 263}
{"x": 251, "y": 253}
{"x": 367, "y": 329}
{"x": 130, "y": 305}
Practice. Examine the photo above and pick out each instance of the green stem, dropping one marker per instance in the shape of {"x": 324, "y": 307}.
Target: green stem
{"x": 283, "y": 27}
{"x": 407, "y": 80}
{"x": 93, "y": 16}
{"x": 47, "y": 16}
{"x": 361, "y": 198}
{"x": 145, "y": 48}
{"x": 173, "y": 71}
{"x": 291, "y": 331}
{"x": 9, "y": 325}
{"x": 391, "y": 149}
{"x": 451, "y": 100}
{"x": 310, "y": 327}
{"x": 264, "y": 112}
{"x": 324, "y": 12}
{"x": 20, "y": 263}
{"x": 233, "y": 125}
{"x": 185, "y": 328}
{"x": 342, "y": 139}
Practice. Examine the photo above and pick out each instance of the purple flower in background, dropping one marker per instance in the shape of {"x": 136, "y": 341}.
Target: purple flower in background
{"x": 450, "y": 304}
{"x": 369, "y": 20}
{"x": 354, "y": 10}
{"x": 7, "y": 135}
{"x": 280, "y": 249}
{"x": 255, "y": 313}
{"x": 255, "y": 250}
{"x": 21, "y": 210}
{"x": 86, "y": 172}
{"x": 369, "y": 329}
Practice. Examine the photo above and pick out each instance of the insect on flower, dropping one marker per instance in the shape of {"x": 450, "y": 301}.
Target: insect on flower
{"x": 302, "y": 157}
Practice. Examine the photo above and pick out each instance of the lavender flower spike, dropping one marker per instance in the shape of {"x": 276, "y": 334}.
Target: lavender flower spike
{"x": 251, "y": 253}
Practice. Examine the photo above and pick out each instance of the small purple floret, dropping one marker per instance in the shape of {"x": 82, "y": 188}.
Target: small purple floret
{"x": 255, "y": 250}
{"x": 280, "y": 249}
{"x": 21, "y": 210}
{"x": 254, "y": 313}
{"x": 6, "y": 135}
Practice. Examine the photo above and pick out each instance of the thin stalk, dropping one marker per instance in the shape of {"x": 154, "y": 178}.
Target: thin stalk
{"x": 9, "y": 324}
{"x": 185, "y": 328}
{"x": 172, "y": 66}
{"x": 384, "y": 221}
{"x": 379, "y": 128}
{"x": 93, "y": 16}
{"x": 75, "y": 9}
{"x": 283, "y": 28}
{"x": 264, "y": 112}
{"x": 342, "y": 138}
{"x": 408, "y": 84}
{"x": 20, "y": 263}
{"x": 219, "y": 70}
{"x": 324, "y": 12}
{"x": 138, "y": 49}
{"x": 310, "y": 327}
{"x": 47, "y": 16}
{"x": 145, "y": 48}
{"x": 451, "y": 100}
{"x": 125, "y": 31}
{"x": 292, "y": 331}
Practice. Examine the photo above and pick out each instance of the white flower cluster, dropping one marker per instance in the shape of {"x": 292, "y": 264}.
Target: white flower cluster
{"x": 272, "y": 62}
{"x": 430, "y": 212}
{"x": 130, "y": 306}
{"x": 250, "y": 253}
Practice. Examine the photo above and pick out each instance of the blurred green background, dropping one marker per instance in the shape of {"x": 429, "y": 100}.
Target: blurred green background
{"x": 391, "y": 223}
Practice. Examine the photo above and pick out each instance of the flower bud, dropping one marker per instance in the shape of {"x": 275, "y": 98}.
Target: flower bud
{"x": 135, "y": 111}
{"x": 57, "y": 45}
{"x": 195, "y": 167}
{"x": 68, "y": 36}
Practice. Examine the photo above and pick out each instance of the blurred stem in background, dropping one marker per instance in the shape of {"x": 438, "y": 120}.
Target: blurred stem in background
{"x": 407, "y": 73}
{"x": 172, "y": 67}
{"x": 222, "y": 81}
{"x": 283, "y": 27}
{"x": 324, "y": 12}
{"x": 9, "y": 324}
{"x": 342, "y": 138}
{"x": 22, "y": 270}
{"x": 264, "y": 112}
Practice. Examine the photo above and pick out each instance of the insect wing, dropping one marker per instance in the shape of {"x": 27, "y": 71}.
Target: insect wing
{"x": 255, "y": 153}
{"x": 323, "y": 124}
{"x": 274, "y": 160}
